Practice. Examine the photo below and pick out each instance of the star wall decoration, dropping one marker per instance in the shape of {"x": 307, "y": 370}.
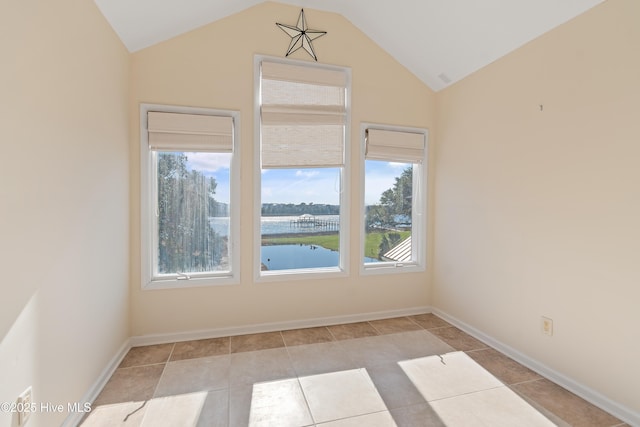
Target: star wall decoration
{"x": 301, "y": 36}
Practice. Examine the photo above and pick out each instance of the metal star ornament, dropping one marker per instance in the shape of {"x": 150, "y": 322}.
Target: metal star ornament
{"x": 301, "y": 36}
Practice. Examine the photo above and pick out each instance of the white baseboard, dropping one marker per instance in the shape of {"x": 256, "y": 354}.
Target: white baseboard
{"x": 626, "y": 414}
{"x": 74, "y": 418}
{"x": 275, "y": 326}
{"x": 620, "y": 411}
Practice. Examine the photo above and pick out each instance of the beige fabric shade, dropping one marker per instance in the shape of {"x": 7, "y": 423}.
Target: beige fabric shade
{"x": 303, "y": 74}
{"x": 303, "y": 116}
{"x": 393, "y": 145}
{"x": 189, "y": 132}
{"x": 302, "y": 146}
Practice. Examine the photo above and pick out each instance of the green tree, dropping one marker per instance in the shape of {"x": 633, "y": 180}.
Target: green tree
{"x": 395, "y": 203}
{"x": 186, "y": 240}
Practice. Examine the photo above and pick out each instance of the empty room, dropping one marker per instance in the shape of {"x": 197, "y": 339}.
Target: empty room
{"x": 320, "y": 213}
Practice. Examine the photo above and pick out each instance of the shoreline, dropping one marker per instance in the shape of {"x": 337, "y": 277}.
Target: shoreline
{"x": 298, "y": 234}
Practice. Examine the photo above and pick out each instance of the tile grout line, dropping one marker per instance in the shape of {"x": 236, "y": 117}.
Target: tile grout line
{"x": 378, "y": 334}
{"x": 140, "y": 366}
{"x": 333, "y": 337}
{"x": 155, "y": 389}
{"x": 334, "y": 340}
{"x": 284, "y": 343}
{"x": 306, "y": 401}
{"x": 173, "y": 347}
{"x": 416, "y": 323}
{"x": 527, "y": 381}
{"x": 297, "y": 374}
{"x": 477, "y": 350}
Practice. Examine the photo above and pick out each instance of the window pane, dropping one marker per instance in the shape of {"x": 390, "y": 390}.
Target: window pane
{"x": 300, "y": 221}
{"x": 388, "y": 211}
{"x": 192, "y": 212}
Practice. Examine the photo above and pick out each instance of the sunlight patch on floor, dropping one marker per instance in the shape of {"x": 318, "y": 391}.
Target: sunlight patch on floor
{"x": 344, "y": 398}
{"x": 179, "y": 410}
{"x": 463, "y": 393}
{"x": 460, "y": 391}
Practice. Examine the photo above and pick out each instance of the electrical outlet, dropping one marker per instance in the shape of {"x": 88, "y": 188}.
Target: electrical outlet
{"x": 547, "y": 326}
{"x": 24, "y": 406}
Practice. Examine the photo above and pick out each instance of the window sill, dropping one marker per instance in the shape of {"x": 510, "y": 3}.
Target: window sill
{"x": 391, "y": 268}
{"x": 193, "y": 282}
{"x": 300, "y": 274}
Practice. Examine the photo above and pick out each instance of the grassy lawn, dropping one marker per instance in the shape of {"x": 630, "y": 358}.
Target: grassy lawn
{"x": 373, "y": 240}
{"x": 332, "y": 242}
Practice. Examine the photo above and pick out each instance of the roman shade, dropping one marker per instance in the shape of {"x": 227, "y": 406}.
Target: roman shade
{"x": 303, "y": 115}
{"x": 189, "y": 132}
{"x": 393, "y": 145}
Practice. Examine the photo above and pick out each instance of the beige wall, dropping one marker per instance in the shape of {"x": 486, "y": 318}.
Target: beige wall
{"x": 537, "y": 211}
{"x": 213, "y": 67}
{"x": 64, "y": 204}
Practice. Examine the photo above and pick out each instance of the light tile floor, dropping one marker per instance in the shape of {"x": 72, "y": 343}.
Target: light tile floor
{"x": 406, "y": 371}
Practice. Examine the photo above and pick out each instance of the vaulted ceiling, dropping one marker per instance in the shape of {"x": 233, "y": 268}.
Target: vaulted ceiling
{"x": 440, "y": 41}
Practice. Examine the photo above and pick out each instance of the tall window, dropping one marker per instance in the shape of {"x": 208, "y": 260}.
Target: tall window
{"x": 302, "y": 123}
{"x": 189, "y": 182}
{"x": 394, "y": 199}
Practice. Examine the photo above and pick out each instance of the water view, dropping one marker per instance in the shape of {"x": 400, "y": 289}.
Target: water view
{"x": 286, "y": 257}
{"x": 292, "y": 256}
{"x": 271, "y": 225}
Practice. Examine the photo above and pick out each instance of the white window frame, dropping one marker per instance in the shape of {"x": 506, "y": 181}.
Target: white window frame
{"x": 148, "y": 185}
{"x": 419, "y": 210}
{"x": 342, "y": 269}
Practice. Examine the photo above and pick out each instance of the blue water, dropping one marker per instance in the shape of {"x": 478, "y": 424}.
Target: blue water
{"x": 288, "y": 257}
{"x": 272, "y": 224}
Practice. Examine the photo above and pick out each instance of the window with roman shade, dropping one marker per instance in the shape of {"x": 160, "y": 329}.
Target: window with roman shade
{"x": 394, "y": 203}
{"x": 196, "y": 132}
{"x": 301, "y": 120}
{"x": 381, "y": 144}
{"x": 189, "y": 196}
{"x": 303, "y": 115}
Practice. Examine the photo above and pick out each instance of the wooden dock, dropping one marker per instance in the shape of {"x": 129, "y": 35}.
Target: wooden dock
{"x": 310, "y": 221}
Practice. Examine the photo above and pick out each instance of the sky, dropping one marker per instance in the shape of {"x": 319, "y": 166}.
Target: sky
{"x": 318, "y": 185}
{"x": 214, "y": 165}
{"x": 321, "y": 185}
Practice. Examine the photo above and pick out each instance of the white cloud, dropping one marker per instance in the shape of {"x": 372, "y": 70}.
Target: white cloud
{"x": 289, "y": 186}
{"x": 209, "y": 162}
{"x": 307, "y": 174}
{"x": 376, "y": 184}
{"x": 397, "y": 165}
